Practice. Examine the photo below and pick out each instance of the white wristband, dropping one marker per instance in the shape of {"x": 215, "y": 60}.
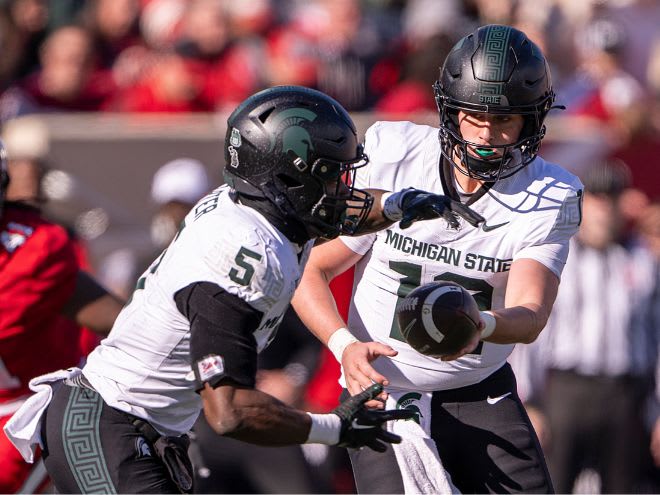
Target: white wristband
{"x": 325, "y": 429}
{"x": 339, "y": 341}
{"x": 489, "y": 324}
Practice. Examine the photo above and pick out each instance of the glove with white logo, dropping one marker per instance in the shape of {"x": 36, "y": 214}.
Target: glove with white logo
{"x": 410, "y": 205}
{"x": 364, "y": 427}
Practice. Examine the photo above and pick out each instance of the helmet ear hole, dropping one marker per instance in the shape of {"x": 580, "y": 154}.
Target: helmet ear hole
{"x": 264, "y": 116}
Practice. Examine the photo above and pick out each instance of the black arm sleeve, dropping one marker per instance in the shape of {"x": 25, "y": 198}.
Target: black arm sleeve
{"x": 222, "y": 343}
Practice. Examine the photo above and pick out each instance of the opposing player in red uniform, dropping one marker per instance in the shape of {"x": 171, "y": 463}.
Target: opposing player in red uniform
{"x": 40, "y": 283}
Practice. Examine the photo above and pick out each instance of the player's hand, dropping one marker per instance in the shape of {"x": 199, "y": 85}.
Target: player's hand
{"x": 469, "y": 347}
{"x": 421, "y": 205}
{"x": 358, "y": 372}
{"x": 362, "y": 427}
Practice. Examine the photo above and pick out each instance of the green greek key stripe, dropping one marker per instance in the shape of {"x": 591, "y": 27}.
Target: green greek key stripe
{"x": 82, "y": 442}
{"x": 495, "y": 53}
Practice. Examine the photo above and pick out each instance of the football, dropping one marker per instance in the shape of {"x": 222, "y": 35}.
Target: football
{"x": 438, "y": 319}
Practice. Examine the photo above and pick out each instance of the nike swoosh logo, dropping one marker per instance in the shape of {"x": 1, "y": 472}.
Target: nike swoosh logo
{"x": 488, "y": 228}
{"x": 495, "y": 400}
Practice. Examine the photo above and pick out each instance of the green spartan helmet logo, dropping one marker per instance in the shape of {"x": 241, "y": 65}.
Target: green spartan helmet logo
{"x": 407, "y": 402}
{"x": 294, "y": 136}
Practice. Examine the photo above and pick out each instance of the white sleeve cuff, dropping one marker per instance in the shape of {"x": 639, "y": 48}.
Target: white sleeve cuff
{"x": 489, "y": 321}
{"x": 325, "y": 429}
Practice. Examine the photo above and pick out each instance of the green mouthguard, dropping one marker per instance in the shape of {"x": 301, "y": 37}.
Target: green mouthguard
{"x": 484, "y": 152}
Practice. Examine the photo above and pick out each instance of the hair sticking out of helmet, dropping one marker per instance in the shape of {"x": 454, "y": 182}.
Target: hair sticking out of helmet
{"x": 298, "y": 149}
{"x": 494, "y": 70}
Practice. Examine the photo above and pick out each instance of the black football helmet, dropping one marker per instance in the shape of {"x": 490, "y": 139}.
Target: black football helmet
{"x": 298, "y": 148}
{"x": 495, "y": 70}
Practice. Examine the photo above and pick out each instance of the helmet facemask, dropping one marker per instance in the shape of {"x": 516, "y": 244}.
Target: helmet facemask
{"x": 513, "y": 157}
{"x": 339, "y": 208}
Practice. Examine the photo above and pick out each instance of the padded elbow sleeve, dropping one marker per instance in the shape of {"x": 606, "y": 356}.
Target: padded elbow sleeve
{"x": 222, "y": 343}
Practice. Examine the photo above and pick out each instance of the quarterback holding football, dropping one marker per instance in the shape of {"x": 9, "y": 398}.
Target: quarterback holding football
{"x": 493, "y": 93}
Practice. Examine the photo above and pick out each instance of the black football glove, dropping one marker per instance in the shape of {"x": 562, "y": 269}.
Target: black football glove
{"x": 422, "y": 205}
{"x": 362, "y": 427}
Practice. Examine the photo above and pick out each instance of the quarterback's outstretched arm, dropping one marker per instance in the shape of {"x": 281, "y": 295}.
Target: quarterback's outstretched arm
{"x": 315, "y": 305}
{"x": 531, "y": 292}
{"x": 530, "y": 295}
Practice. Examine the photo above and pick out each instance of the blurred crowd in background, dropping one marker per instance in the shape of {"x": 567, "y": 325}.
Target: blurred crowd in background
{"x": 382, "y": 56}
{"x": 205, "y": 55}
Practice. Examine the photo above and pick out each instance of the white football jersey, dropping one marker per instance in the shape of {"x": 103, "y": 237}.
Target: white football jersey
{"x": 531, "y": 214}
{"x": 143, "y": 367}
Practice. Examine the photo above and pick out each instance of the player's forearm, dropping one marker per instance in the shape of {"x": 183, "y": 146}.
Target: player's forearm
{"x": 92, "y": 306}
{"x": 519, "y": 324}
{"x": 315, "y": 305}
{"x": 253, "y": 416}
{"x": 375, "y": 221}
{"x": 530, "y": 294}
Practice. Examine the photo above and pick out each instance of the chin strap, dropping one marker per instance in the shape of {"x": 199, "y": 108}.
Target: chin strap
{"x": 292, "y": 228}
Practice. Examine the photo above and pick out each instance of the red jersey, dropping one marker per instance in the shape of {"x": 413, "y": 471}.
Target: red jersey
{"x": 38, "y": 269}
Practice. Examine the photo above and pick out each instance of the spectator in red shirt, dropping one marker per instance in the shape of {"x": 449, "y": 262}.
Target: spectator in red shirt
{"x": 167, "y": 85}
{"x": 204, "y": 71}
{"x": 414, "y": 91}
{"x": 40, "y": 281}
{"x": 227, "y": 69}
{"x": 114, "y": 27}
{"x": 68, "y": 79}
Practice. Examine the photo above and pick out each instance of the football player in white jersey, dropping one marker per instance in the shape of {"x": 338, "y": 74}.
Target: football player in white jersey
{"x": 189, "y": 338}
{"x": 493, "y": 94}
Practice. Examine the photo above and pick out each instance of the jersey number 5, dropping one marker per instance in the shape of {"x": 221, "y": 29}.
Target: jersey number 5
{"x": 243, "y": 275}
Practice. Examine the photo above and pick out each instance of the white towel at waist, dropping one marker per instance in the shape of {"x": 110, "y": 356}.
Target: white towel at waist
{"x": 24, "y": 428}
{"x": 417, "y": 455}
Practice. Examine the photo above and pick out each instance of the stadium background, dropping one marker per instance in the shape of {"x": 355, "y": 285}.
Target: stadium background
{"x": 103, "y": 138}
